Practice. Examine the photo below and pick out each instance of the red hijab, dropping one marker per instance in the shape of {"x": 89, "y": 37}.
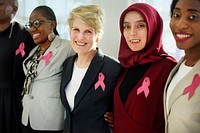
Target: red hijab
{"x": 153, "y": 50}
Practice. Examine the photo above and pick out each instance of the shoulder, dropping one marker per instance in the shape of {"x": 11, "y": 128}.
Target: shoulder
{"x": 69, "y": 59}
{"x": 106, "y": 58}
{"x": 21, "y": 31}
{"x": 169, "y": 60}
{"x": 166, "y": 64}
{"x": 23, "y": 36}
{"x": 64, "y": 45}
{"x": 20, "y": 28}
{"x": 112, "y": 64}
{"x": 64, "y": 41}
{"x": 111, "y": 59}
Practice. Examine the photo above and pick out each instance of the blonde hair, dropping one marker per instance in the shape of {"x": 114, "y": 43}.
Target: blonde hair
{"x": 93, "y": 15}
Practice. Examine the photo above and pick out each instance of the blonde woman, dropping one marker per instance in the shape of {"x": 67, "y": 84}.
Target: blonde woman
{"x": 89, "y": 77}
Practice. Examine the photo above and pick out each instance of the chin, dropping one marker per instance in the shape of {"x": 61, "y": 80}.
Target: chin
{"x": 36, "y": 41}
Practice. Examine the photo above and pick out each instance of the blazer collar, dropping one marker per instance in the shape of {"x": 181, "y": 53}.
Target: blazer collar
{"x": 183, "y": 83}
{"x": 53, "y": 48}
{"x": 90, "y": 76}
{"x": 66, "y": 77}
{"x": 88, "y": 80}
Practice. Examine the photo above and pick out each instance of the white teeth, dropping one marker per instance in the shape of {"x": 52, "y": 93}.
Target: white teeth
{"x": 182, "y": 35}
{"x": 36, "y": 35}
{"x": 134, "y": 40}
{"x": 80, "y": 43}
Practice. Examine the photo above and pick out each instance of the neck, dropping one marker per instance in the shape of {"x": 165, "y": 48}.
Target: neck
{"x": 84, "y": 60}
{"x": 191, "y": 59}
{"x": 45, "y": 45}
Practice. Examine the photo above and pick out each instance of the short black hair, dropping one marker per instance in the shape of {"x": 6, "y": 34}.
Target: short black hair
{"x": 48, "y": 13}
{"x": 173, "y": 4}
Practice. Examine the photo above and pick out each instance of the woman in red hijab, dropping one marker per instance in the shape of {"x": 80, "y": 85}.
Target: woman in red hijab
{"x": 138, "y": 95}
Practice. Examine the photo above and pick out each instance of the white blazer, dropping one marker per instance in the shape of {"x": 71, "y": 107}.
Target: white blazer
{"x": 43, "y": 107}
{"x": 184, "y": 113}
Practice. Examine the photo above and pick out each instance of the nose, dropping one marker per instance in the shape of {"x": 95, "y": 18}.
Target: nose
{"x": 181, "y": 23}
{"x": 80, "y": 35}
{"x": 133, "y": 32}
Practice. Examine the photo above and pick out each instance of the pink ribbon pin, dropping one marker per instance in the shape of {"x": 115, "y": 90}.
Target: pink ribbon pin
{"x": 191, "y": 88}
{"x": 100, "y": 82}
{"x": 47, "y": 58}
{"x": 144, "y": 87}
{"x": 20, "y": 50}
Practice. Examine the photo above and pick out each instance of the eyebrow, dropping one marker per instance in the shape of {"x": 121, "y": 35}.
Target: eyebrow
{"x": 136, "y": 21}
{"x": 140, "y": 20}
{"x": 191, "y": 10}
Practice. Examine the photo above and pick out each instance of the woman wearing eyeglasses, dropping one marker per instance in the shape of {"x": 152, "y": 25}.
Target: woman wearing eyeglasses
{"x": 42, "y": 107}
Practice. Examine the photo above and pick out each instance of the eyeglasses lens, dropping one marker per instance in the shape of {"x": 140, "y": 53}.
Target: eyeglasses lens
{"x": 28, "y": 25}
{"x": 35, "y": 23}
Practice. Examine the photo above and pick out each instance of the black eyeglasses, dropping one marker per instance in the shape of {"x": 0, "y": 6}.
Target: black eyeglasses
{"x": 36, "y": 23}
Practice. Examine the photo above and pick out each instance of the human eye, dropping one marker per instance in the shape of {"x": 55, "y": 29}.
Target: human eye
{"x": 193, "y": 17}
{"x": 126, "y": 26}
{"x": 36, "y": 23}
{"x": 75, "y": 29}
{"x": 176, "y": 15}
{"x": 141, "y": 25}
{"x": 88, "y": 31}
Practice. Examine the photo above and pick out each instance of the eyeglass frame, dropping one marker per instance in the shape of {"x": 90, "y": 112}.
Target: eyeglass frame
{"x": 36, "y": 23}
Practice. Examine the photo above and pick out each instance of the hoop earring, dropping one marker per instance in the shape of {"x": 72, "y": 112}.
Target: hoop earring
{"x": 51, "y": 36}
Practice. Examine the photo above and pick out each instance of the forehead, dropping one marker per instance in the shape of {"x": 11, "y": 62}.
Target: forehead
{"x": 188, "y": 5}
{"x": 78, "y": 23}
{"x": 132, "y": 16}
{"x": 36, "y": 16}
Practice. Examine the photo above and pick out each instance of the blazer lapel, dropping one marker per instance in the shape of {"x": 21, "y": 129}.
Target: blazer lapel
{"x": 54, "y": 50}
{"x": 90, "y": 76}
{"x": 67, "y": 75}
{"x": 175, "y": 95}
{"x": 183, "y": 83}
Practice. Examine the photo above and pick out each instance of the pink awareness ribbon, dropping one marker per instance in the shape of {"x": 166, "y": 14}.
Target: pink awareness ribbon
{"x": 100, "y": 82}
{"x": 47, "y": 58}
{"x": 20, "y": 50}
{"x": 144, "y": 87}
{"x": 191, "y": 88}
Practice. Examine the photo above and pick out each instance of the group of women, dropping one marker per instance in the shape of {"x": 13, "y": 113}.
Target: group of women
{"x": 75, "y": 88}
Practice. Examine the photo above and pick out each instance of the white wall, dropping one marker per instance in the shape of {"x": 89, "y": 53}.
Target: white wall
{"x": 110, "y": 40}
